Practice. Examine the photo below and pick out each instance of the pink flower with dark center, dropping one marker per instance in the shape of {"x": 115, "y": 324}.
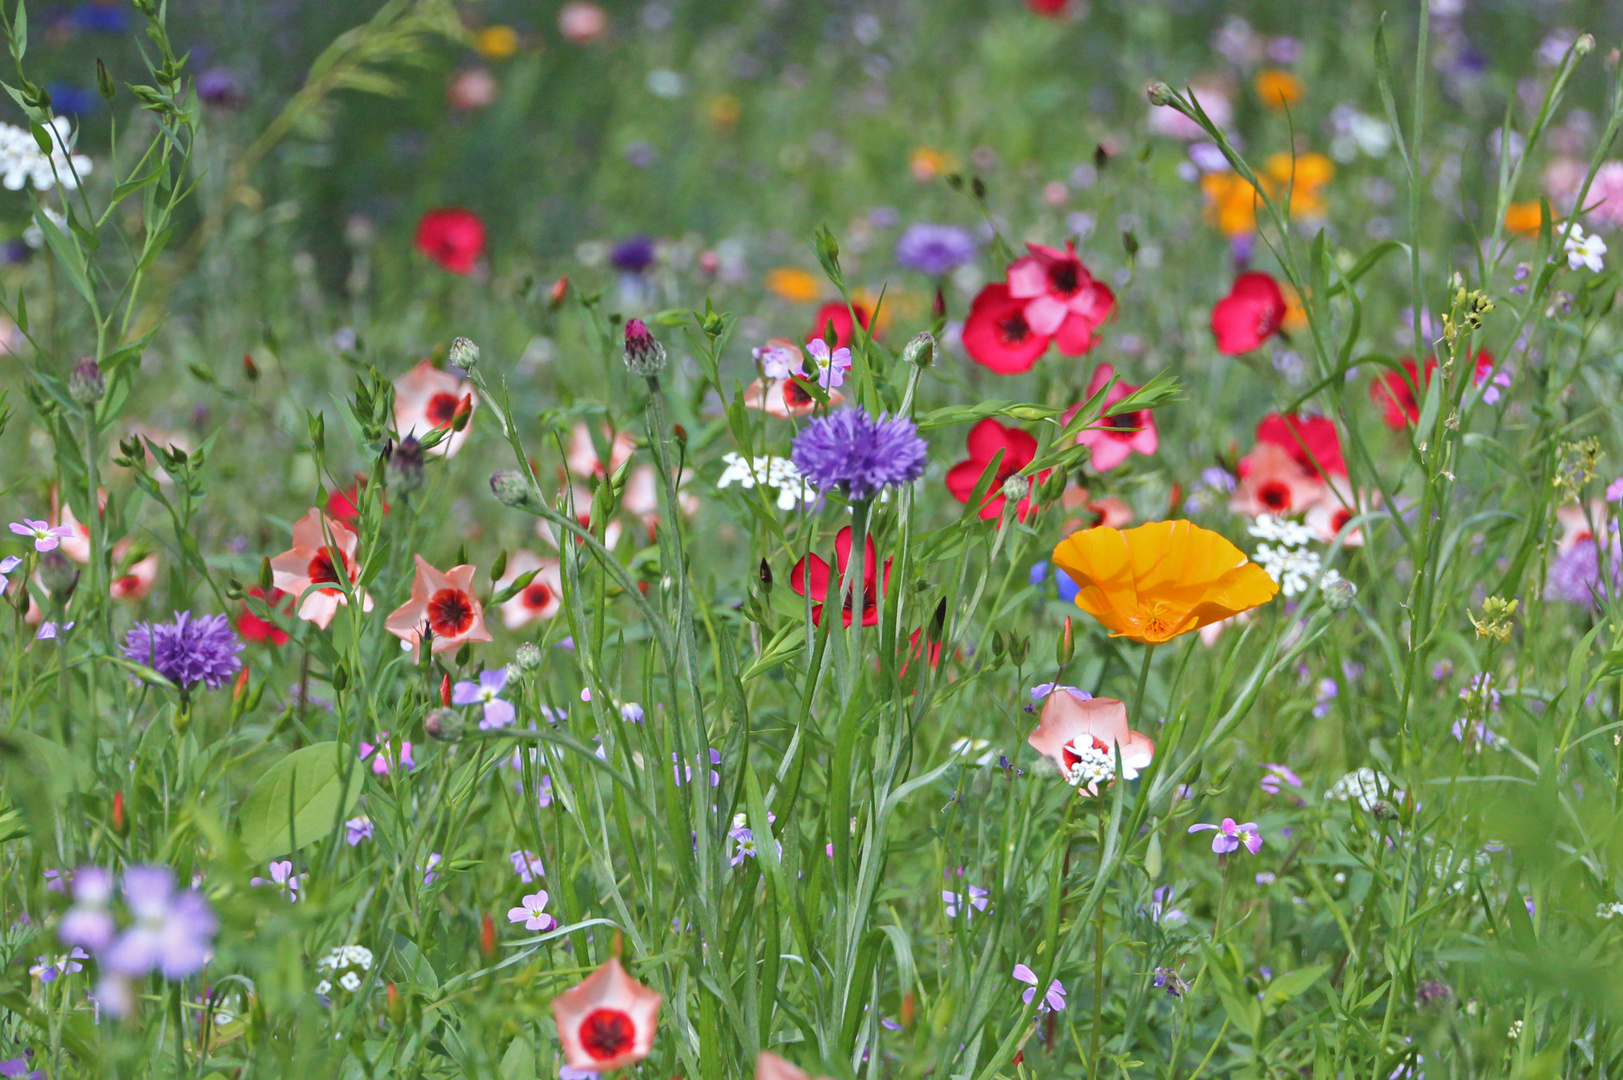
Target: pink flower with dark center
{"x": 443, "y": 607}
{"x": 608, "y": 1021}
{"x": 1121, "y": 434}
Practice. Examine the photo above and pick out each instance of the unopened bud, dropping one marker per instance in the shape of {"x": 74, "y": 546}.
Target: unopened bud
{"x": 396, "y": 1006}
{"x": 513, "y": 488}
{"x": 1584, "y": 45}
{"x": 644, "y": 355}
{"x": 121, "y": 819}
{"x": 1065, "y": 647}
{"x": 1160, "y": 93}
{"x": 527, "y": 657}
{"x": 765, "y": 573}
{"x": 444, "y": 725}
{"x": 104, "y": 80}
{"x": 1016, "y": 488}
{"x": 59, "y": 576}
{"x": 920, "y": 352}
{"x": 1340, "y": 594}
{"x": 557, "y": 294}
{"x": 487, "y": 936}
{"x": 406, "y": 465}
{"x": 1432, "y": 994}
{"x": 463, "y": 353}
{"x": 86, "y": 385}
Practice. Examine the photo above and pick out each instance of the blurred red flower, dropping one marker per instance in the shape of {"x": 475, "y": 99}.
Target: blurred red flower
{"x": 253, "y": 628}
{"x": 1063, "y": 301}
{"x": 835, "y": 311}
{"x": 1250, "y": 314}
{"x": 1311, "y": 441}
{"x": 812, "y": 575}
{"x": 997, "y": 335}
{"x": 985, "y": 440}
{"x": 1395, "y": 393}
{"x": 452, "y": 237}
{"x": 1053, "y": 9}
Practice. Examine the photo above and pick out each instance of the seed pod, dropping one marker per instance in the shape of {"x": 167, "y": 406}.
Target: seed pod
{"x": 444, "y": 725}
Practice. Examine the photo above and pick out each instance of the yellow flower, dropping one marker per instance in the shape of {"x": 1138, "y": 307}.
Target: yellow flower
{"x": 928, "y": 163}
{"x": 1524, "y": 218}
{"x": 725, "y": 111}
{"x": 497, "y": 42}
{"x": 1155, "y": 582}
{"x": 793, "y": 284}
{"x": 1231, "y": 203}
{"x": 1278, "y": 89}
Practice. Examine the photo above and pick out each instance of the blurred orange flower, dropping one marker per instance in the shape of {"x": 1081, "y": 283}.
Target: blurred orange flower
{"x": 927, "y": 163}
{"x": 793, "y": 284}
{"x": 1277, "y": 88}
{"x": 496, "y": 42}
{"x": 1524, "y": 218}
{"x": 1231, "y": 203}
{"x": 725, "y": 111}
{"x": 1155, "y": 582}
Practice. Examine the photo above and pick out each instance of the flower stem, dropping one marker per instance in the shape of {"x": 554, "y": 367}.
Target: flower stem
{"x": 1134, "y": 707}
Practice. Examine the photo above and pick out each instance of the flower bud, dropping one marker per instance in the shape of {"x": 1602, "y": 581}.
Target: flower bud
{"x": 444, "y": 725}
{"x": 1016, "y": 488}
{"x": 1065, "y": 647}
{"x": 463, "y": 353}
{"x": 121, "y": 817}
{"x": 487, "y": 936}
{"x": 558, "y": 293}
{"x": 920, "y": 352}
{"x": 1432, "y": 994}
{"x": 527, "y": 657}
{"x": 644, "y": 355}
{"x": 86, "y": 385}
{"x": 1340, "y": 594}
{"x": 59, "y": 576}
{"x": 513, "y": 488}
{"x": 406, "y": 465}
{"x": 1584, "y": 45}
{"x": 1159, "y": 93}
{"x": 104, "y": 80}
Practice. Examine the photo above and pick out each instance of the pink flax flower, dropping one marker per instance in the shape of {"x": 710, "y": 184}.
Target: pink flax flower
{"x": 1062, "y": 299}
{"x": 1081, "y": 735}
{"x": 608, "y": 1021}
{"x": 442, "y": 606}
{"x": 428, "y": 399}
{"x": 323, "y": 549}
{"x": 1122, "y": 434}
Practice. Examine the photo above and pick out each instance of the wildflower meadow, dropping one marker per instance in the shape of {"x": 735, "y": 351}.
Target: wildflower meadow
{"x": 706, "y": 539}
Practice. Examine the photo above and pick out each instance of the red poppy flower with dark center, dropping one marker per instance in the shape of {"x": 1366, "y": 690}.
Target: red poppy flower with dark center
{"x": 252, "y": 628}
{"x": 997, "y": 335}
{"x": 1249, "y": 315}
{"x": 453, "y": 237}
{"x": 985, "y": 440}
{"x": 322, "y": 571}
{"x": 812, "y": 576}
{"x": 607, "y": 1033}
{"x": 1395, "y": 393}
{"x": 450, "y": 612}
{"x": 442, "y": 409}
{"x": 1311, "y": 441}
{"x": 835, "y": 311}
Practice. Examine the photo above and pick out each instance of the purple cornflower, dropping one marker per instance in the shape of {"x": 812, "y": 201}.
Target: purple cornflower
{"x": 936, "y": 250}
{"x": 50, "y": 968}
{"x": 1053, "y": 1000}
{"x": 975, "y": 901}
{"x": 1575, "y": 574}
{"x": 532, "y": 912}
{"x": 360, "y": 828}
{"x": 498, "y": 713}
{"x": 281, "y": 873}
{"x": 187, "y": 651}
{"x": 89, "y": 922}
{"x": 831, "y": 367}
{"x": 172, "y": 928}
{"x": 634, "y": 255}
{"x": 859, "y": 455}
{"x": 45, "y": 536}
{"x": 381, "y": 763}
{"x": 1275, "y": 774}
{"x": 1231, "y": 836}
{"x": 526, "y": 865}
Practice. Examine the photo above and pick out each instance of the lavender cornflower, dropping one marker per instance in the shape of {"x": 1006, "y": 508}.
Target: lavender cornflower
{"x": 532, "y": 912}
{"x": 187, "y": 651}
{"x": 936, "y": 250}
{"x": 1230, "y": 837}
{"x": 1576, "y": 578}
{"x": 1053, "y": 998}
{"x": 859, "y": 455}
{"x": 1275, "y": 775}
{"x": 497, "y": 713}
{"x": 526, "y": 865}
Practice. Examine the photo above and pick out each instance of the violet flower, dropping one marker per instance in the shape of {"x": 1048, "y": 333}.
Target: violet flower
{"x": 975, "y": 901}
{"x": 172, "y": 931}
{"x": 1230, "y": 837}
{"x": 89, "y": 922}
{"x": 381, "y": 762}
{"x": 859, "y": 455}
{"x": 187, "y": 651}
{"x": 281, "y": 874}
{"x": 532, "y": 912}
{"x": 1053, "y": 999}
{"x": 497, "y": 713}
{"x": 1276, "y": 775}
{"x": 45, "y": 536}
{"x": 360, "y": 828}
{"x": 526, "y": 865}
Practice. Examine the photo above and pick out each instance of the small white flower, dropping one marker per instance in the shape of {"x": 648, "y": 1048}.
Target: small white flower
{"x": 22, "y": 163}
{"x": 1293, "y": 568}
{"x": 350, "y": 981}
{"x": 970, "y": 748}
{"x": 1585, "y": 250}
{"x": 1609, "y": 911}
{"x": 1290, "y": 533}
{"x": 323, "y": 988}
{"x": 1515, "y": 1031}
{"x": 1366, "y": 787}
{"x": 773, "y": 472}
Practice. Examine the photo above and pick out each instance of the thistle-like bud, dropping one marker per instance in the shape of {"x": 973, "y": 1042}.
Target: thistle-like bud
{"x": 1584, "y": 45}
{"x": 1432, "y": 994}
{"x": 86, "y": 385}
{"x": 920, "y": 352}
{"x": 513, "y": 488}
{"x": 444, "y": 725}
{"x": 1016, "y": 488}
{"x": 59, "y": 576}
{"x": 527, "y": 657}
{"x": 1159, "y": 93}
{"x": 463, "y": 353}
{"x": 1383, "y": 811}
{"x": 406, "y": 465}
{"x": 645, "y": 356}
{"x": 1340, "y": 594}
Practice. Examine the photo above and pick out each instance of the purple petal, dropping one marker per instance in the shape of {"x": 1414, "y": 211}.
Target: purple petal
{"x": 466, "y": 693}
{"x": 493, "y": 679}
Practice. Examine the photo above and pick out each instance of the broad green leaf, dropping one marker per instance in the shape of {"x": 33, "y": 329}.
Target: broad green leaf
{"x": 305, "y": 791}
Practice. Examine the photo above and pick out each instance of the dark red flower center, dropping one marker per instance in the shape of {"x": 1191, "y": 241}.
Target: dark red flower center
{"x": 322, "y": 570}
{"x": 1275, "y": 495}
{"x": 607, "y": 1033}
{"x": 441, "y": 409}
{"x": 794, "y": 395}
{"x": 450, "y": 613}
{"x": 1013, "y": 329}
{"x": 1339, "y": 519}
{"x": 537, "y": 595}
{"x": 1065, "y": 278}
{"x": 129, "y": 583}
{"x": 1125, "y": 425}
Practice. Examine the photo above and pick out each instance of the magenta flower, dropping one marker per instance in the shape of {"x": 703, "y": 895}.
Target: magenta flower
{"x": 381, "y": 762}
{"x": 532, "y": 912}
{"x": 1275, "y": 776}
{"x": 526, "y": 865}
{"x": 1053, "y": 1000}
{"x": 1230, "y": 836}
{"x": 44, "y": 536}
{"x": 831, "y": 367}
{"x": 498, "y": 713}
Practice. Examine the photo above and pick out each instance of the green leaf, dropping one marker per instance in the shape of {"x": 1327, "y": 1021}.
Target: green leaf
{"x": 1292, "y": 984}
{"x": 59, "y": 769}
{"x": 305, "y": 791}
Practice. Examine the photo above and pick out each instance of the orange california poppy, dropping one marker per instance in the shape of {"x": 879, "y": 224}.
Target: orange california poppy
{"x": 1524, "y": 218}
{"x": 1157, "y": 581}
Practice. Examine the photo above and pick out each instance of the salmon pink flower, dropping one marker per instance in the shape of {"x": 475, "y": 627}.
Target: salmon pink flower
{"x": 428, "y": 399}
{"x": 1271, "y": 482}
{"x": 997, "y": 335}
{"x": 1082, "y": 735}
{"x": 1230, "y": 837}
{"x": 581, "y": 456}
{"x": 784, "y": 398}
{"x": 1063, "y": 301}
{"x": 442, "y": 605}
{"x": 608, "y": 1021}
{"x": 1051, "y": 9}
{"x": 839, "y": 313}
{"x": 1395, "y": 393}
{"x": 323, "y": 548}
{"x": 1249, "y": 315}
{"x": 453, "y": 237}
{"x": 985, "y": 440}
{"x": 811, "y": 575}
{"x": 769, "y": 1066}
{"x": 537, "y": 601}
{"x": 138, "y": 577}
{"x": 1312, "y": 441}
{"x": 1330, "y": 515}
{"x": 1118, "y": 435}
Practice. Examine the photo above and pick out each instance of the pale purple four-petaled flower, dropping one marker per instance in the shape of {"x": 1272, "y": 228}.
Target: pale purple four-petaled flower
{"x": 1230, "y": 837}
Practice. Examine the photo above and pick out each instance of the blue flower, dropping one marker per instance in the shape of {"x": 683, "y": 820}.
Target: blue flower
{"x": 859, "y": 455}
{"x": 936, "y": 250}
{"x": 187, "y": 651}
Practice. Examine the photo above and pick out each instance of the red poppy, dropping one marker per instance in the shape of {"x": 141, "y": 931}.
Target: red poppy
{"x": 839, "y": 314}
{"x": 1250, "y": 314}
{"x": 1395, "y": 393}
{"x": 1063, "y": 301}
{"x": 985, "y": 440}
{"x": 452, "y": 237}
{"x": 1053, "y": 9}
{"x": 915, "y": 647}
{"x": 252, "y": 628}
{"x": 1311, "y": 441}
{"x": 812, "y": 574}
{"x": 997, "y": 335}
{"x": 343, "y": 505}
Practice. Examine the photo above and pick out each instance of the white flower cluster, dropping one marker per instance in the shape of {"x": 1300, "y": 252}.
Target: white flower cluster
{"x": 34, "y": 235}
{"x": 1094, "y": 765}
{"x": 1285, "y": 555}
{"x": 773, "y": 472}
{"x": 21, "y": 161}
{"x": 1366, "y": 787}
{"x": 344, "y": 958}
{"x": 1609, "y": 911}
{"x": 977, "y": 750}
